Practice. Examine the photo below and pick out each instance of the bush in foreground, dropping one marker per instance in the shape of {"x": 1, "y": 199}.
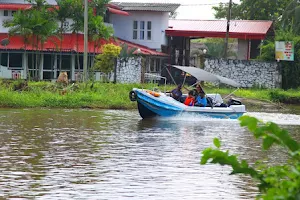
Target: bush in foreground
{"x": 274, "y": 182}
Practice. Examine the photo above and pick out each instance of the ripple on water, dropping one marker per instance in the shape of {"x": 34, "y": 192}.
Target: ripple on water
{"x": 112, "y": 154}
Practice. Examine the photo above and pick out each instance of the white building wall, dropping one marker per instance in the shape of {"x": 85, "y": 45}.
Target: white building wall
{"x": 123, "y": 26}
{"x": 243, "y": 49}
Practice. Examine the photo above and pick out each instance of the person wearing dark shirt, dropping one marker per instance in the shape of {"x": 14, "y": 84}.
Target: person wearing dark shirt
{"x": 177, "y": 93}
{"x": 198, "y": 90}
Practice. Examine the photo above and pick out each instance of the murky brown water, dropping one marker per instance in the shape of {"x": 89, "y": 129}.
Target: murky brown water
{"x": 111, "y": 154}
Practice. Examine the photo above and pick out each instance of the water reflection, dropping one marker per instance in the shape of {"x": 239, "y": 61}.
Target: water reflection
{"x": 112, "y": 154}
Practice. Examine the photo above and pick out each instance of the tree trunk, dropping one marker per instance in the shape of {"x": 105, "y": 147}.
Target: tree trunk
{"x": 37, "y": 58}
{"x": 61, "y": 39}
{"x": 78, "y": 61}
{"x": 115, "y": 70}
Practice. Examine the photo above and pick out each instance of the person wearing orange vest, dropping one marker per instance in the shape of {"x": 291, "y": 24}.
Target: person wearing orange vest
{"x": 190, "y": 99}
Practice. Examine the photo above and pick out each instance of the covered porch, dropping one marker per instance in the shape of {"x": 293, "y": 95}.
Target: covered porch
{"x": 47, "y": 63}
{"x": 249, "y": 34}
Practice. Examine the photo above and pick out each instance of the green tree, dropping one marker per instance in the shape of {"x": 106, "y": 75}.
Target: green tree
{"x": 97, "y": 31}
{"x": 253, "y": 10}
{"x": 63, "y": 12}
{"x": 291, "y": 17}
{"x": 105, "y": 61}
{"x": 281, "y": 181}
{"x": 43, "y": 25}
{"x": 290, "y": 70}
{"x": 35, "y": 25}
{"x": 19, "y": 25}
{"x": 78, "y": 22}
{"x": 99, "y": 6}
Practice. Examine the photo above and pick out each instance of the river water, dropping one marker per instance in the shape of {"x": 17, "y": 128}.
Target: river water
{"x": 113, "y": 154}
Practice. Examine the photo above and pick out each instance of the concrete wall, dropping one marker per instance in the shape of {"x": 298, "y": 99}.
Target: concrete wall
{"x": 247, "y": 73}
{"x": 243, "y": 49}
{"x": 123, "y": 26}
{"x": 130, "y": 71}
{"x": 11, "y": 73}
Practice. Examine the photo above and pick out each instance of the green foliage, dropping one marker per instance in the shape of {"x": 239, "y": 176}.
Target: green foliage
{"x": 126, "y": 52}
{"x": 47, "y": 94}
{"x": 290, "y": 70}
{"x": 221, "y": 11}
{"x": 254, "y": 10}
{"x": 105, "y": 61}
{"x": 215, "y": 47}
{"x": 99, "y": 6}
{"x": 274, "y": 182}
{"x": 291, "y": 17}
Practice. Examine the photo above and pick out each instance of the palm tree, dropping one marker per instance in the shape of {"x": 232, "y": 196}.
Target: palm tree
{"x": 63, "y": 12}
{"x": 99, "y": 6}
{"x": 97, "y": 30}
{"x": 19, "y": 25}
{"x": 291, "y": 16}
{"x": 77, "y": 25}
{"x": 43, "y": 25}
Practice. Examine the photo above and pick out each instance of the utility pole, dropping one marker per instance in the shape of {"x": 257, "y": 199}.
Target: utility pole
{"x": 227, "y": 29}
{"x": 85, "y": 54}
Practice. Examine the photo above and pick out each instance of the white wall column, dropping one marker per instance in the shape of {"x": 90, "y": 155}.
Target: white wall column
{"x": 55, "y": 67}
{"x": 25, "y": 65}
{"x": 41, "y": 67}
{"x": 72, "y": 67}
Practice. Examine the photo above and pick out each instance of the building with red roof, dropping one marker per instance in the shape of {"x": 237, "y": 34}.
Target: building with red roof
{"x": 143, "y": 26}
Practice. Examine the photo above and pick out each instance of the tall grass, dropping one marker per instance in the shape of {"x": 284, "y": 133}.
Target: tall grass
{"x": 111, "y": 96}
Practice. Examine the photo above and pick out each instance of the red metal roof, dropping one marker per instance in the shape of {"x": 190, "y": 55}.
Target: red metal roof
{"x": 69, "y": 44}
{"x": 144, "y": 50}
{"x": 243, "y": 29}
{"x": 13, "y": 6}
{"x": 118, "y": 12}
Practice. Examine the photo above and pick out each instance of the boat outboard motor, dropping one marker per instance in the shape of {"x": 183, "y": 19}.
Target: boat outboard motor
{"x": 234, "y": 102}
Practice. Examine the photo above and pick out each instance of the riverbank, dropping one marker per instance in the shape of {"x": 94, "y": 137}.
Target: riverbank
{"x": 17, "y": 94}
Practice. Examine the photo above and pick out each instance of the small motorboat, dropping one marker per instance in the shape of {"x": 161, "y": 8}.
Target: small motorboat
{"x": 153, "y": 103}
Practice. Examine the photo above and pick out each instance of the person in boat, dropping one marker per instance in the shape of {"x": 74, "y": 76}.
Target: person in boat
{"x": 190, "y": 99}
{"x": 201, "y": 100}
{"x": 198, "y": 90}
{"x": 177, "y": 93}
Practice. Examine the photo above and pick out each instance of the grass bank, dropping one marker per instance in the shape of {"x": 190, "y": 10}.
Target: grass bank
{"x": 108, "y": 95}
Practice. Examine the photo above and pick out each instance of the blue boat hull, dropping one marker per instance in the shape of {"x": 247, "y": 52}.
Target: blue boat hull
{"x": 150, "y": 107}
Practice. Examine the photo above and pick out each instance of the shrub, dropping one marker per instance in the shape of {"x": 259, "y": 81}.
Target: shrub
{"x": 275, "y": 182}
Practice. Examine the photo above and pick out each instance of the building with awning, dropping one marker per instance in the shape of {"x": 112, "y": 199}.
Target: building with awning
{"x": 249, "y": 34}
{"x": 16, "y": 56}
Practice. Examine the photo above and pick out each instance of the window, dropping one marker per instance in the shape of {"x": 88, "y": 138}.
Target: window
{"x": 149, "y": 30}
{"x": 13, "y": 12}
{"x": 142, "y": 30}
{"x": 135, "y": 30}
{"x": 5, "y": 12}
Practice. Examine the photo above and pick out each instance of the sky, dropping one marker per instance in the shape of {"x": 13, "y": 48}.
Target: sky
{"x": 190, "y": 9}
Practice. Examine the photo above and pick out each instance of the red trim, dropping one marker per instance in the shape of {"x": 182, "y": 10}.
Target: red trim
{"x": 214, "y": 34}
{"x": 118, "y": 12}
{"x": 14, "y": 6}
{"x": 69, "y": 44}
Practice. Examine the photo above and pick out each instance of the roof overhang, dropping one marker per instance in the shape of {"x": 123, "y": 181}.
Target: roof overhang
{"x": 240, "y": 29}
{"x": 140, "y": 6}
{"x": 117, "y": 12}
{"x": 203, "y": 34}
{"x": 69, "y": 45}
{"x": 13, "y": 6}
